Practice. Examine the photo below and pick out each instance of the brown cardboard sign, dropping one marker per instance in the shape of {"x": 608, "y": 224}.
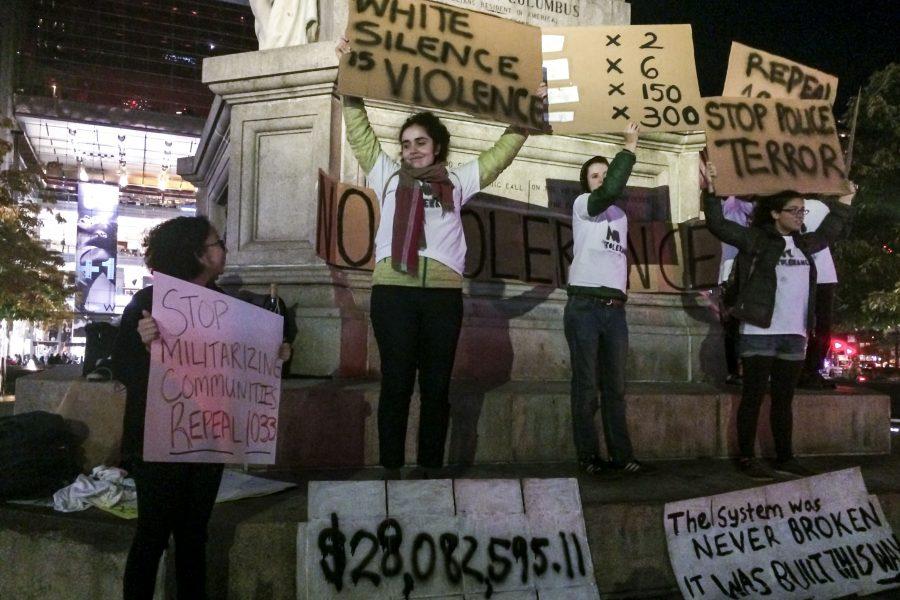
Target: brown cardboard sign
{"x": 429, "y": 54}
{"x": 763, "y": 146}
{"x": 757, "y": 74}
{"x": 348, "y": 220}
{"x": 600, "y": 78}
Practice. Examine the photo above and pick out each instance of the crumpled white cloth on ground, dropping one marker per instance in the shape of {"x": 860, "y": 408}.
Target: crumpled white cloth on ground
{"x": 105, "y": 487}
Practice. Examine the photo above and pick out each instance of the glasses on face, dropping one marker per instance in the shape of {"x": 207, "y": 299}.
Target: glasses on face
{"x": 796, "y": 211}
{"x": 219, "y": 242}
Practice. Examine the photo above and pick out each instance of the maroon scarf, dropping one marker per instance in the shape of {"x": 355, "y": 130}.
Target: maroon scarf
{"x": 409, "y": 212}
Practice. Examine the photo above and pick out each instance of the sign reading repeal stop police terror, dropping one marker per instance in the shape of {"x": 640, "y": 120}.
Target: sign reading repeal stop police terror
{"x": 756, "y": 74}
{"x": 215, "y": 377}
{"x": 819, "y": 537}
{"x": 600, "y": 78}
{"x": 429, "y": 54}
{"x": 764, "y": 146}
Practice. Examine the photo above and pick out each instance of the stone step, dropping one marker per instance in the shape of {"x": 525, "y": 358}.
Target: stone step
{"x": 252, "y": 545}
{"x": 334, "y": 424}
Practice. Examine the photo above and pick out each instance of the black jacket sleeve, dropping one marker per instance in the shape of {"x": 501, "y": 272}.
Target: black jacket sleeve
{"x": 745, "y": 239}
{"x": 613, "y": 184}
{"x": 830, "y": 229}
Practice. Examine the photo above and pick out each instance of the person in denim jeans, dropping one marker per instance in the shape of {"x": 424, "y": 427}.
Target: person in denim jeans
{"x": 776, "y": 278}
{"x": 595, "y": 324}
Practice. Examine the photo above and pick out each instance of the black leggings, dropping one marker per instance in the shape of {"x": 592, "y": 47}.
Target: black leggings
{"x": 173, "y": 499}
{"x": 416, "y": 330}
{"x": 757, "y": 372}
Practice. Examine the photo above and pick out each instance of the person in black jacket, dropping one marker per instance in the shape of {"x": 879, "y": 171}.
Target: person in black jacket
{"x": 775, "y": 302}
{"x": 173, "y": 498}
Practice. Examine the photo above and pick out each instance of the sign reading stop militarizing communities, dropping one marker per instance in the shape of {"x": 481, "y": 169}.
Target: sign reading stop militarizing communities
{"x": 820, "y": 537}
{"x": 428, "y": 54}
{"x": 600, "y": 78}
{"x": 215, "y": 377}
{"x": 754, "y": 73}
{"x": 765, "y": 145}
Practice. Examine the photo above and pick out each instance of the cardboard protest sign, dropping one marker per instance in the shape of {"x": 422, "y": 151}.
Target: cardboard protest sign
{"x": 600, "y": 78}
{"x": 757, "y": 74}
{"x": 348, "y": 220}
{"x": 764, "y": 146}
{"x": 215, "y": 377}
{"x": 820, "y": 537}
{"x": 429, "y": 54}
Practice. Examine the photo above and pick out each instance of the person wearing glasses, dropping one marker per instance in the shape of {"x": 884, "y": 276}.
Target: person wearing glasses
{"x": 173, "y": 498}
{"x": 775, "y": 302}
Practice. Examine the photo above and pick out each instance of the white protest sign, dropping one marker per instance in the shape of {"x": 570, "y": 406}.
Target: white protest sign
{"x": 215, "y": 377}
{"x": 443, "y": 538}
{"x": 819, "y": 537}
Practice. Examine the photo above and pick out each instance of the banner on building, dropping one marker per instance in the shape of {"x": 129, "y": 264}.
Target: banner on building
{"x": 95, "y": 248}
{"x": 819, "y": 537}
{"x": 755, "y": 73}
{"x": 600, "y": 78}
{"x": 215, "y": 377}
{"x": 430, "y": 54}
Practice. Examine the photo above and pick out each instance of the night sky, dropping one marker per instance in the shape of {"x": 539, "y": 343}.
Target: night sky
{"x": 850, "y": 39}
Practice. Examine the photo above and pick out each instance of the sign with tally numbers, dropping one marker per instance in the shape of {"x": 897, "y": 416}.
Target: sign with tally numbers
{"x": 819, "y": 537}
{"x": 754, "y": 73}
{"x": 215, "y": 377}
{"x": 600, "y": 78}
{"x": 442, "y": 538}
{"x": 765, "y": 145}
{"x": 428, "y": 54}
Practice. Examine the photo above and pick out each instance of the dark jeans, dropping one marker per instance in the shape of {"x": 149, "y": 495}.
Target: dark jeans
{"x": 821, "y": 338}
{"x": 758, "y": 370}
{"x": 598, "y": 346}
{"x": 176, "y": 499}
{"x": 416, "y": 330}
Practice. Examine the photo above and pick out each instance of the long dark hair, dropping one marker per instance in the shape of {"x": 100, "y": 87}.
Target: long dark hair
{"x": 762, "y": 212}
{"x": 436, "y": 131}
{"x": 584, "y": 170}
{"x": 174, "y": 247}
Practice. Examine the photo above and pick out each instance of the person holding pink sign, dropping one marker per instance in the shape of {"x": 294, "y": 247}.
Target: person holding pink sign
{"x": 173, "y": 498}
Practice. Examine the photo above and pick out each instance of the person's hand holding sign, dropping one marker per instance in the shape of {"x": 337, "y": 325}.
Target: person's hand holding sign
{"x": 342, "y": 47}
{"x": 147, "y": 329}
{"x": 847, "y": 198}
{"x": 631, "y": 136}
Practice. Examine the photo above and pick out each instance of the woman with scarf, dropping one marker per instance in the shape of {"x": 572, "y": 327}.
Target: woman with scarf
{"x": 420, "y": 252}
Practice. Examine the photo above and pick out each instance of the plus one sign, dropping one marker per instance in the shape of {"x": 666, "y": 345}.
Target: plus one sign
{"x": 87, "y": 269}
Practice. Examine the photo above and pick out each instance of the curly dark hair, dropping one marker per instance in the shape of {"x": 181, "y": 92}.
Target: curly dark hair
{"x": 174, "y": 247}
{"x": 436, "y": 131}
{"x": 762, "y": 212}
{"x": 584, "y": 170}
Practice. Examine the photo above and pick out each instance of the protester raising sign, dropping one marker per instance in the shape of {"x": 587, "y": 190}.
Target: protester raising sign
{"x": 820, "y": 537}
{"x": 756, "y": 74}
{"x": 601, "y": 78}
{"x": 429, "y": 54}
{"x": 215, "y": 377}
{"x": 764, "y": 146}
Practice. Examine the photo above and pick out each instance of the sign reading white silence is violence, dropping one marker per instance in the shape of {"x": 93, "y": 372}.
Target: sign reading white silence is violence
{"x": 215, "y": 377}
{"x": 820, "y": 537}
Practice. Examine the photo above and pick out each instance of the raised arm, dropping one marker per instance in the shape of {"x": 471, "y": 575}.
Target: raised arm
{"x": 363, "y": 141}
{"x": 616, "y": 176}
{"x": 839, "y": 213}
{"x": 495, "y": 159}
{"x": 741, "y": 237}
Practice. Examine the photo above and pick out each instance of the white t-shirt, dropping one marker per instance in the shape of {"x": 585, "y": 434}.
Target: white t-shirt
{"x": 444, "y": 238}
{"x": 791, "y": 295}
{"x": 739, "y": 211}
{"x": 825, "y": 271}
{"x": 600, "y": 244}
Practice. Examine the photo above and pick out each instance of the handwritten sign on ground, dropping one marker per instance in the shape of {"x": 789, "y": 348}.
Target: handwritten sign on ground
{"x": 215, "y": 377}
{"x": 429, "y": 54}
{"x": 754, "y": 73}
{"x": 600, "y": 78}
{"x": 443, "y": 538}
{"x": 820, "y": 537}
{"x": 764, "y": 146}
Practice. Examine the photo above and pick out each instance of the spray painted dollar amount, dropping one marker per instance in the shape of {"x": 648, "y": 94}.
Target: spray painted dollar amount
{"x": 374, "y": 556}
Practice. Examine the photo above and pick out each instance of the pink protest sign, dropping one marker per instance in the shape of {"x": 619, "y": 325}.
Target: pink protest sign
{"x": 215, "y": 377}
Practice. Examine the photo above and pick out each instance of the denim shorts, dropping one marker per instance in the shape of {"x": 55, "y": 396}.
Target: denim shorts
{"x": 784, "y": 346}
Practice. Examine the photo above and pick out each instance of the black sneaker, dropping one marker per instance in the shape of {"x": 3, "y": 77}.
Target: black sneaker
{"x": 754, "y": 469}
{"x": 632, "y": 467}
{"x": 794, "y": 468}
{"x": 593, "y": 466}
